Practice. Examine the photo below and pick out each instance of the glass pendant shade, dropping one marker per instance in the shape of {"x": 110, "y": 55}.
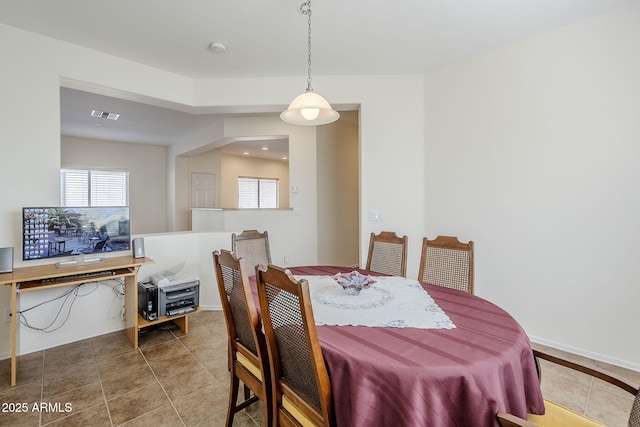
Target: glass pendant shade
{"x": 309, "y": 109}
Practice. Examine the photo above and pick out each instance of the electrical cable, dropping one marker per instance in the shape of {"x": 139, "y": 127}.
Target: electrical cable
{"x": 69, "y": 295}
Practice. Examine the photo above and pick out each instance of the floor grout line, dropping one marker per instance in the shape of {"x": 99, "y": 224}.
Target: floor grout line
{"x": 104, "y": 395}
{"x": 162, "y": 386}
{"x": 41, "y": 388}
{"x": 586, "y": 403}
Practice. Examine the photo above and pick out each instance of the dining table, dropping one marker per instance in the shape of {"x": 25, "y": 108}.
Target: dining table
{"x": 471, "y": 360}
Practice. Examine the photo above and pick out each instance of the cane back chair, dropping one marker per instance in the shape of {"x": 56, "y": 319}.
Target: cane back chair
{"x": 388, "y": 254}
{"x": 445, "y": 261}
{"x": 301, "y": 386}
{"x": 248, "y": 359}
{"x": 252, "y": 247}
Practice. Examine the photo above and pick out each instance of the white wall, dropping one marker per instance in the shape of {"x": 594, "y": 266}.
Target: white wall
{"x": 532, "y": 152}
{"x": 195, "y": 251}
{"x": 147, "y": 175}
{"x": 35, "y": 66}
{"x": 338, "y": 201}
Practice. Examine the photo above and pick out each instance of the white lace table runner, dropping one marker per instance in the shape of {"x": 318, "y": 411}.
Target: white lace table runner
{"x": 394, "y": 302}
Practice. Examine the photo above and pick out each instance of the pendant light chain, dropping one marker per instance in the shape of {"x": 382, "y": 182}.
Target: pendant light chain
{"x": 309, "y": 108}
{"x": 305, "y": 9}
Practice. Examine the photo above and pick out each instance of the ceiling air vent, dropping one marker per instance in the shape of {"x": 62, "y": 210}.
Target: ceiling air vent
{"x": 104, "y": 115}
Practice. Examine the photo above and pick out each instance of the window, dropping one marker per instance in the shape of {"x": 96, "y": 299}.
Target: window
{"x": 257, "y": 193}
{"x": 80, "y": 187}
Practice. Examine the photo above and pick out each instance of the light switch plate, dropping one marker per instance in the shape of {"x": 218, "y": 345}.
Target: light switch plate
{"x": 376, "y": 215}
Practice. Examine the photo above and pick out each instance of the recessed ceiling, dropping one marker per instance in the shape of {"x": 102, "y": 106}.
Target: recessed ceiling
{"x": 273, "y": 148}
{"x": 142, "y": 123}
{"x": 138, "y": 122}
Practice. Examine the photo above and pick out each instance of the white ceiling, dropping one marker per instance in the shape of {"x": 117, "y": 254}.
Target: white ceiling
{"x": 269, "y": 38}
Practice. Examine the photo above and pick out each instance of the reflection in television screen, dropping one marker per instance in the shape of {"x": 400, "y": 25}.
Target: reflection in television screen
{"x": 49, "y": 232}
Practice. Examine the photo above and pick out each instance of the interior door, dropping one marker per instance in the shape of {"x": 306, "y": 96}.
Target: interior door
{"x": 203, "y": 190}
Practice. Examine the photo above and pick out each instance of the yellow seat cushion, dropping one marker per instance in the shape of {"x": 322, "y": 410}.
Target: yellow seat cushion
{"x": 296, "y": 413}
{"x": 557, "y": 416}
{"x": 251, "y": 367}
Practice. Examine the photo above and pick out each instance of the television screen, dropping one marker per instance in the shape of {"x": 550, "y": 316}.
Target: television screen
{"x": 49, "y": 232}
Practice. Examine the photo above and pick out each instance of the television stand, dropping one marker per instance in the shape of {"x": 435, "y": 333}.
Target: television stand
{"x": 29, "y": 279}
{"x": 181, "y": 321}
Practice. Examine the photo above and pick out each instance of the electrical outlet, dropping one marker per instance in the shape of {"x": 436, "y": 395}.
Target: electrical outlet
{"x": 6, "y": 315}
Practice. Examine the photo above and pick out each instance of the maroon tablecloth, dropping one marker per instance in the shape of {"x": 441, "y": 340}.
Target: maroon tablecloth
{"x": 410, "y": 377}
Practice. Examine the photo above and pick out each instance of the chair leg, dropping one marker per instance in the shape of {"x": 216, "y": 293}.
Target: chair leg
{"x": 234, "y": 406}
{"x": 234, "y": 384}
{"x": 267, "y": 408}
{"x": 248, "y": 398}
{"x": 247, "y": 392}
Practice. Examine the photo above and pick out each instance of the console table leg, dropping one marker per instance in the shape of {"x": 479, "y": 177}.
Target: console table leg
{"x": 131, "y": 309}
{"x": 14, "y": 332}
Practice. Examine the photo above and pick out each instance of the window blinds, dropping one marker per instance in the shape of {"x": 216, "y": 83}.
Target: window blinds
{"x": 257, "y": 193}
{"x": 94, "y": 187}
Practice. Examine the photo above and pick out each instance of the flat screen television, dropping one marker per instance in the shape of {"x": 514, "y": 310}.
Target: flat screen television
{"x": 52, "y": 232}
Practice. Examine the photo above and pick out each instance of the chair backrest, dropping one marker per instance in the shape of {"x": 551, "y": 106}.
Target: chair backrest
{"x": 388, "y": 254}
{"x": 445, "y": 261}
{"x": 508, "y": 420}
{"x": 252, "y": 247}
{"x": 301, "y": 386}
{"x": 248, "y": 356}
{"x": 237, "y": 302}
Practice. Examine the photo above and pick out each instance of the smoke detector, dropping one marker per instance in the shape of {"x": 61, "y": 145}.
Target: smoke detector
{"x": 217, "y": 47}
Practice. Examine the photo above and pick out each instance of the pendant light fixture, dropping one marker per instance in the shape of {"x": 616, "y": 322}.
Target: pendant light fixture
{"x": 309, "y": 108}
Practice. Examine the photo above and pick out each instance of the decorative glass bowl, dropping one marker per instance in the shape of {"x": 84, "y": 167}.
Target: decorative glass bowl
{"x": 353, "y": 282}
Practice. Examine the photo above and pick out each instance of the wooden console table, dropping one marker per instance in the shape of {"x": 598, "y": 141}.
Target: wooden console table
{"x": 28, "y": 279}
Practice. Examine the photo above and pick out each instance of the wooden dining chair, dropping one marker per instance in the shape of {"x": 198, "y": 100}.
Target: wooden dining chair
{"x": 388, "y": 254}
{"x": 252, "y": 247}
{"x": 445, "y": 261}
{"x": 301, "y": 386}
{"x": 248, "y": 359}
{"x": 558, "y": 415}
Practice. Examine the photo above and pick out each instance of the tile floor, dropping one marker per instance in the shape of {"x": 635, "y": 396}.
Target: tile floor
{"x": 182, "y": 380}
{"x": 587, "y": 395}
{"x": 172, "y": 380}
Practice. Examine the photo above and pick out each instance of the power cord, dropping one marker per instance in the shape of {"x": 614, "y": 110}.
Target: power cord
{"x": 68, "y": 298}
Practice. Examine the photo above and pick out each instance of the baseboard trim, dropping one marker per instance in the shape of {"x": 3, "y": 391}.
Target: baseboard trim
{"x": 581, "y": 352}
